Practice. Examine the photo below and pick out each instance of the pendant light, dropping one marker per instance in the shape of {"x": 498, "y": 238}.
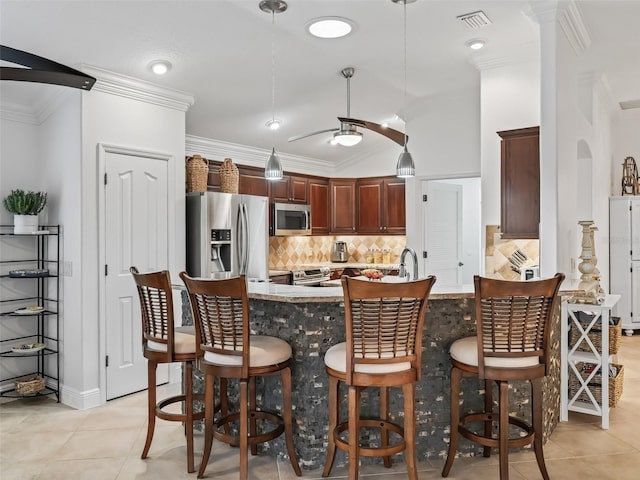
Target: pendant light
{"x": 273, "y": 168}
{"x": 405, "y": 166}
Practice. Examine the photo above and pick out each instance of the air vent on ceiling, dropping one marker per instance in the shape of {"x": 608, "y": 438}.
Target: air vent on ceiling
{"x": 474, "y": 20}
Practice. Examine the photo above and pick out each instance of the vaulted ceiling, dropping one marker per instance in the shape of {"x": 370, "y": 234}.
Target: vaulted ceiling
{"x": 221, "y": 53}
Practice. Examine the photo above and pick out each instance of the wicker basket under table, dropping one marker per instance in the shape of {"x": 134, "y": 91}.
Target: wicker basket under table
{"x": 595, "y": 385}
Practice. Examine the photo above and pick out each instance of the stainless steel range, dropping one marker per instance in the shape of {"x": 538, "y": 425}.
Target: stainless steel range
{"x": 311, "y": 277}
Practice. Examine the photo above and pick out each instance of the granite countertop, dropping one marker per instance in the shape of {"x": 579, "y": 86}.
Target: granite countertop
{"x": 304, "y": 294}
{"x": 341, "y": 265}
{"x": 279, "y": 272}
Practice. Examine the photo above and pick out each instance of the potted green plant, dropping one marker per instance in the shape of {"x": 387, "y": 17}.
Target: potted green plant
{"x": 25, "y": 207}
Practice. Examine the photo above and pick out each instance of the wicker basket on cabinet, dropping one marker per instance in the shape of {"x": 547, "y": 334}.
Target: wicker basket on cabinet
{"x": 197, "y": 174}
{"x": 229, "y": 177}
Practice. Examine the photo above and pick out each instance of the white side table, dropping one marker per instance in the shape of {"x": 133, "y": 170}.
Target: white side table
{"x": 570, "y": 356}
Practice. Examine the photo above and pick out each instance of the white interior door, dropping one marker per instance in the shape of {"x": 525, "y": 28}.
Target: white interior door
{"x": 135, "y": 234}
{"x": 442, "y": 235}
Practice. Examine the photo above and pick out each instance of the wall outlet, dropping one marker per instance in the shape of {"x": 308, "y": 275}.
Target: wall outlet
{"x": 67, "y": 269}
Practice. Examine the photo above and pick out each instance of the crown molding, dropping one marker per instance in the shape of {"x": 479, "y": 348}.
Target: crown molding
{"x": 51, "y": 101}
{"x": 135, "y": 89}
{"x": 574, "y": 28}
{"x": 524, "y": 53}
{"x": 213, "y": 149}
{"x": 15, "y": 112}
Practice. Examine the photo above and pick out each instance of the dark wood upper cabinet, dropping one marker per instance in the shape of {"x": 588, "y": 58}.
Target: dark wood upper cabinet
{"x": 381, "y": 206}
{"x": 342, "y": 205}
{"x": 319, "y": 201}
{"x": 369, "y": 198}
{"x": 520, "y": 183}
{"x": 394, "y": 207}
{"x": 252, "y": 182}
{"x": 279, "y": 190}
{"x": 299, "y": 189}
{"x": 289, "y": 189}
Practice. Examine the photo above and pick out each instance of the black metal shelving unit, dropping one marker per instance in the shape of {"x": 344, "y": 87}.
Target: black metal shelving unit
{"x": 41, "y": 327}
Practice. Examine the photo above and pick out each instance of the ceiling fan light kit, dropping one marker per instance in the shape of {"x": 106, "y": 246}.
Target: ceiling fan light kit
{"x": 347, "y": 135}
{"x": 347, "y": 139}
{"x": 273, "y": 167}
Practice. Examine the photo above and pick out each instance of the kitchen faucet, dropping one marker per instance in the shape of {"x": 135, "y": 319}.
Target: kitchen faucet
{"x": 403, "y": 271}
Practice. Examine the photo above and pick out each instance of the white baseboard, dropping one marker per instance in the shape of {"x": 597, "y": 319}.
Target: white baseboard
{"x": 80, "y": 400}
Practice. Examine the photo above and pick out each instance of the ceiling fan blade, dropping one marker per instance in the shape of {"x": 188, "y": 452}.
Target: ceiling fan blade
{"x": 388, "y": 132}
{"x": 299, "y": 137}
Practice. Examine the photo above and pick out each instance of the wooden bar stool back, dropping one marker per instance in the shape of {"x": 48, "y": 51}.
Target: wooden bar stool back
{"x": 161, "y": 343}
{"x": 384, "y": 323}
{"x": 225, "y": 349}
{"x": 513, "y": 326}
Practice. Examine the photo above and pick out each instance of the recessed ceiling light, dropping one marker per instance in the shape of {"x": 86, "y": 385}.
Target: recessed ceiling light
{"x": 274, "y": 124}
{"x": 475, "y": 44}
{"x": 330, "y": 27}
{"x": 160, "y": 67}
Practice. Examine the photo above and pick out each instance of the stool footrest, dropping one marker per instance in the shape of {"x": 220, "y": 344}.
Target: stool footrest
{"x": 381, "y": 451}
{"x": 266, "y": 436}
{"x": 491, "y": 441}
{"x": 177, "y": 417}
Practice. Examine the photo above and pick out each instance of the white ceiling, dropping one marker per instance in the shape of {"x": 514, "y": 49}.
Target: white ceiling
{"x": 221, "y": 54}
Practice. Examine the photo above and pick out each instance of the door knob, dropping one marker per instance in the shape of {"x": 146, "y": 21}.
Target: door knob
{"x": 460, "y": 264}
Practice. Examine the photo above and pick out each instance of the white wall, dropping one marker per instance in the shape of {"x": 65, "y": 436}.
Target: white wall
{"x": 510, "y": 99}
{"x": 122, "y": 121}
{"x": 626, "y": 143}
{"x": 585, "y": 114}
{"x": 58, "y": 154}
{"x": 59, "y": 168}
{"x": 19, "y": 160}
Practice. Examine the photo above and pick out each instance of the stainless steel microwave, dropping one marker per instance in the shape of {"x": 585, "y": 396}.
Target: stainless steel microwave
{"x": 290, "y": 219}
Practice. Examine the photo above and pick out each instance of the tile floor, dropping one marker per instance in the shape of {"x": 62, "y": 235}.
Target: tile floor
{"x": 40, "y": 439}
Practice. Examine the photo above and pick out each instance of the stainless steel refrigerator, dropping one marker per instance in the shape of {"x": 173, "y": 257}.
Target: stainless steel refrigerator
{"x": 227, "y": 235}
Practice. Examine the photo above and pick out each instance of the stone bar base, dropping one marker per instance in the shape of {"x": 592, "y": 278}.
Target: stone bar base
{"x": 312, "y": 328}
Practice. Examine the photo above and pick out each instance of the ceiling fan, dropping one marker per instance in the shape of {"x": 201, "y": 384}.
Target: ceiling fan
{"x": 348, "y": 135}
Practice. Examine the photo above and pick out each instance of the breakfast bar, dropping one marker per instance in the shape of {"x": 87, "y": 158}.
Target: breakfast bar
{"x": 311, "y": 319}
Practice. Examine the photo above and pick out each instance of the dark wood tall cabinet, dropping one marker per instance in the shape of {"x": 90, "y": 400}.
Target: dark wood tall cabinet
{"x": 520, "y": 183}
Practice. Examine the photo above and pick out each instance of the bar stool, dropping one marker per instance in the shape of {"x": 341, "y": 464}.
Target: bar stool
{"x": 513, "y": 325}
{"x": 225, "y": 349}
{"x": 384, "y": 323}
{"x": 161, "y": 343}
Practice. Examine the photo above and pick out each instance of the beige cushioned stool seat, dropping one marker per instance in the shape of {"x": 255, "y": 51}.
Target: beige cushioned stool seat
{"x": 465, "y": 350}
{"x": 263, "y": 351}
{"x": 184, "y": 341}
{"x": 336, "y": 359}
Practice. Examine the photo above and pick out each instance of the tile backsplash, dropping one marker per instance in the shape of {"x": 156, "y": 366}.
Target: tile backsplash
{"x": 498, "y": 252}
{"x": 289, "y": 252}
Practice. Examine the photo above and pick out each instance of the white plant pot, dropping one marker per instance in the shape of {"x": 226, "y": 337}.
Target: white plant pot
{"x": 25, "y": 224}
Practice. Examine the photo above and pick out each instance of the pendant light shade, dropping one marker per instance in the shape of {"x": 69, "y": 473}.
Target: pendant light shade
{"x": 405, "y": 167}
{"x": 273, "y": 169}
